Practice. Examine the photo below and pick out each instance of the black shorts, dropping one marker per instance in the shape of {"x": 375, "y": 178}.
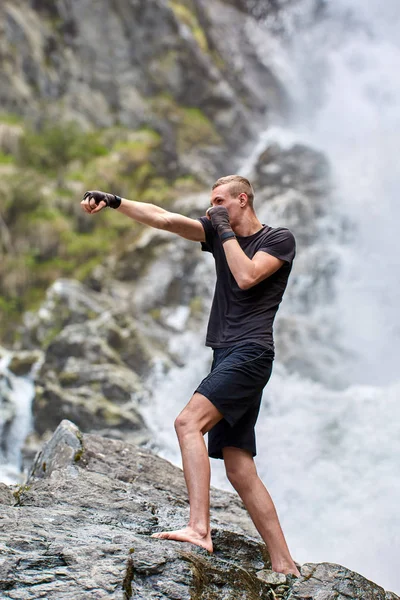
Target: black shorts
{"x": 234, "y": 385}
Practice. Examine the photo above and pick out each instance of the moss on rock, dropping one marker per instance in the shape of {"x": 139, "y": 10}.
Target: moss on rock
{"x": 185, "y": 12}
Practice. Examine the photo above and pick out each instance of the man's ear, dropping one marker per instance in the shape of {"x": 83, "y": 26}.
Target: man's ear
{"x": 243, "y": 199}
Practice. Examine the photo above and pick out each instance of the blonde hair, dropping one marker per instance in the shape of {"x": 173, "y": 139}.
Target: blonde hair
{"x": 238, "y": 185}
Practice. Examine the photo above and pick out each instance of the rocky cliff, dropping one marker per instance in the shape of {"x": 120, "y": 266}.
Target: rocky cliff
{"x": 152, "y": 99}
{"x": 112, "y": 62}
{"x": 81, "y": 526}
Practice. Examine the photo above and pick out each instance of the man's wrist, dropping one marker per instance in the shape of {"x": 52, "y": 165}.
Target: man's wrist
{"x": 115, "y": 202}
{"x": 224, "y": 236}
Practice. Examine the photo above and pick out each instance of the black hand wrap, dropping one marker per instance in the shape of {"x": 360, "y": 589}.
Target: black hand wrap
{"x": 220, "y": 221}
{"x": 111, "y": 200}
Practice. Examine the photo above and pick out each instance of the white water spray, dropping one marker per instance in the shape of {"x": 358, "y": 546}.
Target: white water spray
{"x": 16, "y": 394}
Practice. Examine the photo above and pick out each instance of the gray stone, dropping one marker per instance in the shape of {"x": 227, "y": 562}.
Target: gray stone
{"x": 81, "y": 527}
{"x": 6, "y": 496}
{"x": 63, "y": 449}
{"x": 67, "y": 302}
{"x": 52, "y": 63}
{"x": 298, "y": 167}
{"x": 21, "y": 363}
{"x": 90, "y": 409}
{"x": 327, "y": 581}
{"x": 116, "y": 383}
{"x": 272, "y": 577}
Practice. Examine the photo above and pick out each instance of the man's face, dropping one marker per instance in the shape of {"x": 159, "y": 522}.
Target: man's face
{"x": 221, "y": 197}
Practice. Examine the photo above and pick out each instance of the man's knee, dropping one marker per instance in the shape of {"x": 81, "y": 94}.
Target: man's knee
{"x": 199, "y": 415}
{"x": 239, "y": 466}
{"x": 184, "y": 424}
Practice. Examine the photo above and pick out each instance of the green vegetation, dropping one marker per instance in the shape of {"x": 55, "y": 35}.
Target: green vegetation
{"x": 10, "y": 118}
{"x": 193, "y": 128}
{"x": 54, "y": 147}
{"x": 185, "y": 12}
{"x": 44, "y": 234}
{"x": 78, "y": 455}
{"x": 6, "y": 159}
{"x": 196, "y": 306}
{"x": 19, "y": 492}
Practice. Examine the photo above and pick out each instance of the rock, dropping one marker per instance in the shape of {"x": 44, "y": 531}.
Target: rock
{"x": 80, "y": 342}
{"x": 92, "y": 362}
{"x": 116, "y": 383}
{"x": 21, "y": 363}
{"x": 161, "y": 269}
{"x": 76, "y": 321}
{"x": 326, "y": 581}
{"x": 81, "y": 527}
{"x": 67, "y": 302}
{"x": 62, "y": 450}
{"x": 6, "y": 495}
{"x": 272, "y": 577}
{"x": 9, "y": 138}
{"x": 298, "y": 167}
{"x": 91, "y": 410}
{"x": 170, "y": 53}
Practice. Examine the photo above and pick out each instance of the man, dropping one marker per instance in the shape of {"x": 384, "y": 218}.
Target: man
{"x": 253, "y": 262}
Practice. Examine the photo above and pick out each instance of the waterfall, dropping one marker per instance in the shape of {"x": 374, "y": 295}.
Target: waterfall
{"x": 330, "y": 457}
{"x": 16, "y": 394}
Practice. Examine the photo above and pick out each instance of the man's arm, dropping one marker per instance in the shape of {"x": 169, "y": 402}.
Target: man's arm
{"x": 148, "y": 214}
{"x": 248, "y": 272}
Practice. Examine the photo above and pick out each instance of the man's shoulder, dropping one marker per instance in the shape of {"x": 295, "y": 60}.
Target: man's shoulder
{"x": 277, "y": 233}
{"x": 279, "y": 242}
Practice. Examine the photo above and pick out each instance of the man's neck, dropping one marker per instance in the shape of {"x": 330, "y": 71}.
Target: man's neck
{"x": 247, "y": 226}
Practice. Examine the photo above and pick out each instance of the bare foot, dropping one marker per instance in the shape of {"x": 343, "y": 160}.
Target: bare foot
{"x": 186, "y": 535}
{"x": 287, "y": 570}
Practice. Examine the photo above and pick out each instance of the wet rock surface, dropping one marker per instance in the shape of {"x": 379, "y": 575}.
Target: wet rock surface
{"x": 81, "y": 525}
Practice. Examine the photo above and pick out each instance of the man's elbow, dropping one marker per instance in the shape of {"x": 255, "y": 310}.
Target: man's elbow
{"x": 164, "y": 222}
{"x": 245, "y": 283}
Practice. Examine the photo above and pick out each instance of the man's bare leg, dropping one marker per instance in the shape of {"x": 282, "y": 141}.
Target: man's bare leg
{"x": 242, "y": 473}
{"x": 191, "y": 425}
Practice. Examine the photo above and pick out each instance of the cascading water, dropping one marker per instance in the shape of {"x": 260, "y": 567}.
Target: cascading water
{"x": 16, "y": 394}
{"x": 329, "y": 456}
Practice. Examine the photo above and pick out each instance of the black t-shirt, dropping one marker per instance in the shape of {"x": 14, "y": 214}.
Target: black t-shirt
{"x": 239, "y": 316}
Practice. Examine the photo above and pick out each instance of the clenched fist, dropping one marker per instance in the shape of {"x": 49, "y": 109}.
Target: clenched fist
{"x": 219, "y": 218}
{"x": 94, "y": 201}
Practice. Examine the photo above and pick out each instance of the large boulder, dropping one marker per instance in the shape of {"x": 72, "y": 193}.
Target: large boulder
{"x": 92, "y": 362}
{"x": 81, "y": 527}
